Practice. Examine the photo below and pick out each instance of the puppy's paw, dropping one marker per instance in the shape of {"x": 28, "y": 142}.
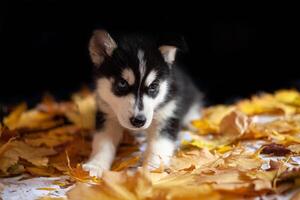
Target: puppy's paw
{"x": 94, "y": 168}
{"x": 157, "y": 161}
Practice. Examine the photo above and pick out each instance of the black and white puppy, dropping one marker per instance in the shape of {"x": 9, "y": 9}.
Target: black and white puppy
{"x": 138, "y": 88}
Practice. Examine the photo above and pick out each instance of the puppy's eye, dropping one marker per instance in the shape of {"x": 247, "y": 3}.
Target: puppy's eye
{"x": 153, "y": 88}
{"x": 121, "y": 85}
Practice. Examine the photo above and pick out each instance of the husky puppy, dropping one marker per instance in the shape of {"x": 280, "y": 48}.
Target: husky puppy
{"x": 138, "y": 88}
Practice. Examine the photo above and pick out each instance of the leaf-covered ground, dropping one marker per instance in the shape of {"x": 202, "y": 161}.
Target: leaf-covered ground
{"x": 245, "y": 150}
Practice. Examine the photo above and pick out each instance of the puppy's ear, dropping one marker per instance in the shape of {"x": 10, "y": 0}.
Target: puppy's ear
{"x": 168, "y": 52}
{"x": 101, "y": 45}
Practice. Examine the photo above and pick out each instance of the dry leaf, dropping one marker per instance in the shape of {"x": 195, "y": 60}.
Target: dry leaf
{"x": 294, "y": 148}
{"x": 291, "y": 97}
{"x": 78, "y": 151}
{"x": 211, "y": 119}
{"x": 192, "y": 158}
{"x": 234, "y": 125}
{"x": 54, "y": 137}
{"x": 13, "y": 118}
{"x": 85, "y": 114}
{"x": 221, "y": 161}
{"x": 51, "y": 198}
{"x": 17, "y": 150}
{"x": 275, "y": 149}
{"x": 125, "y": 163}
{"x": 265, "y": 104}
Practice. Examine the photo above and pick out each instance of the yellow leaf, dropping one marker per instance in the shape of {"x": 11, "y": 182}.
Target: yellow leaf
{"x": 200, "y": 144}
{"x": 212, "y": 117}
{"x": 53, "y": 137}
{"x": 205, "y": 126}
{"x": 224, "y": 148}
{"x": 85, "y": 114}
{"x": 291, "y": 97}
{"x": 184, "y": 160}
{"x": 18, "y": 149}
{"x": 30, "y": 119}
{"x": 46, "y": 188}
{"x": 78, "y": 151}
{"x": 51, "y": 198}
{"x": 124, "y": 164}
{"x": 234, "y": 125}
{"x": 4, "y": 146}
{"x": 12, "y": 119}
{"x": 265, "y": 104}
{"x": 294, "y": 148}
{"x": 42, "y": 171}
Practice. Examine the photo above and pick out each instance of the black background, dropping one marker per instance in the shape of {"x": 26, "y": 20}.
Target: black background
{"x": 233, "y": 51}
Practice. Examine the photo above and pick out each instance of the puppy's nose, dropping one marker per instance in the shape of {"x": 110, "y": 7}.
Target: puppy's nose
{"x": 138, "y": 121}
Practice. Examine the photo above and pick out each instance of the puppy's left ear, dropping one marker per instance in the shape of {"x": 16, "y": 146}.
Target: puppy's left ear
{"x": 101, "y": 46}
{"x": 169, "y": 53}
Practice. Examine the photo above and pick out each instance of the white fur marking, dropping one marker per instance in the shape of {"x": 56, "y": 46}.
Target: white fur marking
{"x": 151, "y": 77}
{"x": 142, "y": 68}
{"x": 128, "y": 75}
{"x": 161, "y": 152}
{"x": 104, "y": 148}
{"x": 166, "y": 111}
{"x": 122, "y": 107}
{"x": 142, "y": 63}
{"x": 151, "y": 103}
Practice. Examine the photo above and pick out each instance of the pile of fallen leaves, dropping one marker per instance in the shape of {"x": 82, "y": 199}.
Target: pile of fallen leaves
{"x": 245, "y": 150}
{"x": 39, "y": 141}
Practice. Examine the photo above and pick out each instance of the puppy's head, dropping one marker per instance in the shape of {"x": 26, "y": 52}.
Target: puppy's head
{"x": 131, "y": 76}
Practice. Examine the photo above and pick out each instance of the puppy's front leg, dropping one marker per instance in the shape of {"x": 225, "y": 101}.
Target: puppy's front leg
{"x": 161, "y": 144}
{"x": 105, "y": 143}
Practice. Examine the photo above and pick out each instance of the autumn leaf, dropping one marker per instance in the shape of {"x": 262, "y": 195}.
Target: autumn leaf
{"x": 12, "y": 120}
{"x": 291, "y": 97}
{"x": 78, "y": 151}
{"x": 42, "y": 171}
{"x": 51, "y": 198}
{"x": 6, "y": 145}
{"x": 275, "y": 149}
{"x": 223, "y": 159}
{"x": 212, "y": 117}
{"x": 294, "y": 148}
{"x": 265, "y": 104}
{"x": 18, "y": 149}
{"x": 53, "y": 137}
{"x": 197, "y": 158}
{"x": 126, "y": 163}
{"x": 85, "y": 114}
{"x": 234, "y": 125}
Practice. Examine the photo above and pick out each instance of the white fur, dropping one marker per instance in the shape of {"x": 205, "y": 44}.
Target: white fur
{"x": 104, "y": 148}
{"x": 150, "y": 78}
{"x": 160, "y": 151}
{"x": 122, "y": 107}
{"x": 142, "y": 69}
{"x": 151, "y": 103}
{"x": 166, "y": 111}
{"x": 142, "y": 63}
{"x": 128, "y": 75}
